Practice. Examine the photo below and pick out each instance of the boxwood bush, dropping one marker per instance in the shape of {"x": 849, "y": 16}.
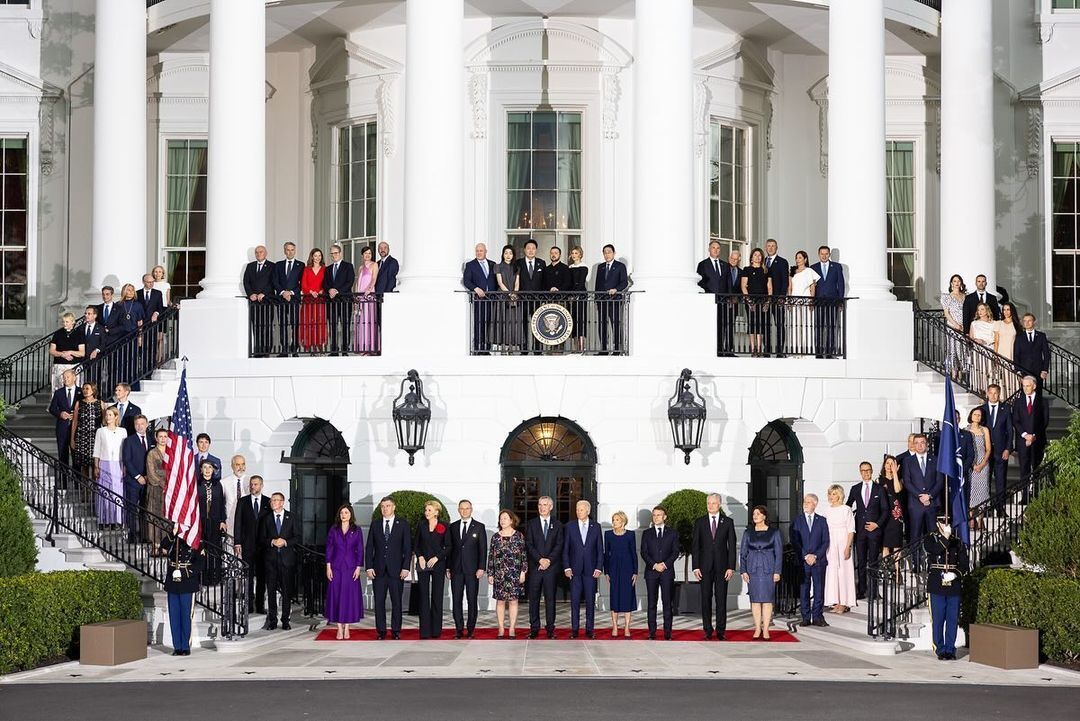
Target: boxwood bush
{"x": 683, "y": 508}
{"x": 410, "y": 506}
{"x": 18, "y": 550}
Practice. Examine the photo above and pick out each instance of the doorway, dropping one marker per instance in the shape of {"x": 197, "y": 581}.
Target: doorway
{"x": 319, "y": 480}
{"x": 776, "y": 481}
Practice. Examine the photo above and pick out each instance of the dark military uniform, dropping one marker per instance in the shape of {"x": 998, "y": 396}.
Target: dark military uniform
{"x": 946, "y": 555}
{"x": 182, "y": 574}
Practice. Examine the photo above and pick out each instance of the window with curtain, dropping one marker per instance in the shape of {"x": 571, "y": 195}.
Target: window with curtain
{"x": 729, "y": 186}
{"x": 900, "y": 217}
{"x": 185, "y": 217}
{"x": 1065, "y": 258}
{"x": 14, "y": 198}
{"x": 1065, "y": 5}
{"x": 357, "y": 172}
{"x": 543, "y": 180}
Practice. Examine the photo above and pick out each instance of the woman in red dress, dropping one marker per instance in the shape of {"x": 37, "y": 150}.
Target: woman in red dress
{"x": 313, "y": 328}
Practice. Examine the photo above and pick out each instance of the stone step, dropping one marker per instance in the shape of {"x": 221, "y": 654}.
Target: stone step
{"x": 84, "y": 555}
{"x": 106, "y": 566}
{"x": 855, "y": 640}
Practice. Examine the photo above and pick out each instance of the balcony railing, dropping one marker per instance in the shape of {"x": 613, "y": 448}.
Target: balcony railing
{"x": 316, "y": 327}
{"x": 28, "y": 370}
{"x": 781, "y": 325}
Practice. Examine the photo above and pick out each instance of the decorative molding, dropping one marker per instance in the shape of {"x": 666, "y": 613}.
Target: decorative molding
{"x": 34, "y": 26}
{"x": 702, "y": 96}
{"x": 1044, "y": 32}
{"x": 743, "y": 49}
{"x": 769, "y": 110}
{"x": 366, "y": 64}
{"x": 1034, "y": 140}
{"x": 823, "y": 136}
{"x": 269, "y": 91}
{"x": 47, "y": 118}
{"x": 478, "y": 96}
{"x": 937, "y": 139}
{"x": 384, "y": 97}
{"x": 612, "y": 94}
{"x": 481, "y": 51}
{"x": 314, "y": 111}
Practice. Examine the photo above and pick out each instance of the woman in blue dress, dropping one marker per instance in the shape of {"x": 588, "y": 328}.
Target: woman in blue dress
{"x": 620, "y": 566}
{"x": 760, "y": 559}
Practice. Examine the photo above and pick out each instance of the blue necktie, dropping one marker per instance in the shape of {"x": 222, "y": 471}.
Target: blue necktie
{"x": 277, "y": 523}
{"x": 545, "y": 528}
{"x": 386, "y": 534}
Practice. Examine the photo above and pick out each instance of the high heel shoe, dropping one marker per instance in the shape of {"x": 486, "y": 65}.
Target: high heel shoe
{"x": 626, "y": 633}
{"x": 501, "y": 634}
{"x": 615, "y": 632}
{"x": 757, "y": 634}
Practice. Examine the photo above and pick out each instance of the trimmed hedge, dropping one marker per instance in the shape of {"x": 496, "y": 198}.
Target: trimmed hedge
{"x": 683, "y": 508}
{"x": 18, "y": 549}
{"x": 410, "y": 506}
{"x": 40, "y": 613}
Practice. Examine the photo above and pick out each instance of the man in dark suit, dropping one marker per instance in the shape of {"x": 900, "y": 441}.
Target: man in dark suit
{"x": 279, "y": 541}
{"x": 611, "y": 281}
{"x": 997, "y": 417}
{"x": 980, "y": 295}
{"x": 871, "y": 507}
{"x": 151, "y": 300}
{"x": 479, "y": 278}
{"x": 1030, "y": 418}
{"x": 556, "y": 276}
{"x": 110, "y": 317}
{"x": 810, "y": 539}
{"x": 202, "y": 453}
{"x": 583, "y": 564}
{"x": 467, "y": 561}
{"x": 1031, "y": 351}
{"x": 286, "y": 284}
{"x": 61, "y": 407}
{"x": 659, "y": 550}
{"x": 338, "y": 281}
{"x": 133, "y": 452}
{"x": 710, "y": 270}
{"x": 544, "y": 550}
{"x": 714, "y": 560}
{"x": 728, "y": 305}
{"x": 828, "y": 295}
{"x": 924, "y": 485}
{"x": 530, "y": 281}
{"x": 247, "y": 521}
{"x": 259, "y": 289}
{"x": 777, "y": 269}
{"x": 388, "y": 556}
{"x": 94, "y": 340}
{"x": 128, "y": 411}
{"x": 902, "y": 458}
{"x": 386, "y": 280}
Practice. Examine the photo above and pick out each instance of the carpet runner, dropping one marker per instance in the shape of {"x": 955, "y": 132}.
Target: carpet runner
{"x": 562, "y": 634}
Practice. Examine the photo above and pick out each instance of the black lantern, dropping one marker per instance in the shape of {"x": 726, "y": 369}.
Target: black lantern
{"x": 412, "y": 414}
{"x": 686, "y": 412}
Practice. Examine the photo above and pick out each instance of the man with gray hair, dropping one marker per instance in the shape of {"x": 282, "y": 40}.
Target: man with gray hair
{"x": 1030, "y": 416}
{"x": 810, "y": 539}
{"x": 479, "y": 279}
{"x": 583, "y": 554}
{"x": 714, "y": 559}
{"x": 338, "y": 281}
{"x": 543, "y": 548}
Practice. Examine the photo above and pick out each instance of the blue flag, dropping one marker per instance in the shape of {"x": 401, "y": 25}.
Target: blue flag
{"x": 950, "y": 463}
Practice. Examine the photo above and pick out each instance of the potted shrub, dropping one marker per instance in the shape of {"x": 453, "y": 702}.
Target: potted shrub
{"x": 410, "y": 507}
{"x": 683, "y": 508}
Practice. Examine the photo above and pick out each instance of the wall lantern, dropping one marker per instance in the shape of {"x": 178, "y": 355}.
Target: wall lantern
{"x": 412, "y": 414}
{"x": 686, "y": 413}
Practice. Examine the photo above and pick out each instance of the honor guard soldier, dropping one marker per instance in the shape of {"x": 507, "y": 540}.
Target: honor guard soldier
{"x": 948, "y": 561}
{"x": 183, "y": 569}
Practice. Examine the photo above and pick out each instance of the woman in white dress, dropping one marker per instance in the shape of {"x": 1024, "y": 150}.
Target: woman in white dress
{"x": 800, "y": 322}
{"x": 161, "y": 284}
{"x": 107, "y": 444}
{"x": 840, "y": 572}
{"x": 982, "y": 333}
{"x": 952, "y": 305}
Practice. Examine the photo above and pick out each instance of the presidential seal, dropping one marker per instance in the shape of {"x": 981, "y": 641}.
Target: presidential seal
{"x": 551, "y": 324}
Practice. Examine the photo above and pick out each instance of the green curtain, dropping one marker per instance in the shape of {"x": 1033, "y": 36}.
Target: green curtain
{"x": 900, "y": 205}
{"x": 183, "y": 163}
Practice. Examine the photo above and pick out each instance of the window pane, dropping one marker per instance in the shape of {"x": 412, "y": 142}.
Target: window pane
{"x": 726, "y": 147}
{"x": 726, "y": 176}
{"x": 543, "y": 209}
{"x": 517, "y": 209}
{"x": 15, "y": 302}
{"x": 544, "y": 170}
{"x": 372, "y": 142}
{"x": 14, "y": 227}
{"x": 1064, "y": 232}
{"x": 198, "y": 200}
{"x": 15, "y": 267}
{"x": 518, "y": 135}
{"x": 197, "y": 231}
{"x": 342, "y": 221}
{"x": 1064, "y": 305}
{"x": 359, "y": 173}
{"x": 1064, "y": 195}
{"x": 371, "y": 224}
{"x": 727, "y": 219}
{"x": 1064, "y": 160}
{"x": 569, "y": 171}
{"x": 569, "y": 210}
{"x": 177, "y": 163}
{"x": 372, "y": 183}
{"x": 356, "y": 220}
{"x": 1064, "y": 269}
{"x": 740, "y": 146}
{"x": 343, "y": 183}
{"x": 179, "y": 193}
{"x": 543, "y": 135}
{"x": 519, "y": 170}
{"x": 176, "y": 230}
{"x": 739, "y": 183}
{"x": 344, "y": 134}
{"x": 570, "y": 131}
{"x": 359, "y": 139}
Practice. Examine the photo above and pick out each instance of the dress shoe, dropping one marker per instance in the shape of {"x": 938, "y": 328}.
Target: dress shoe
{"x": 457, "y": 636}
{"x": 270, "y": 625}
{"x": 667, "y": 636}
{"x": 591, "y": 634}
{"x": 382, "y": 636}
{"x": 260, "y": 611}
{"x": 469, "y": 634}
{"x": 940, "y": 657}
{"x": 950, "y": 657}
{"x": 652, "y": 636}
{"x": 819, "y": 622}
{"x": 285, "y": 626}
{"x": 708, "y": 635}
{"x": 805, "y": 622}
{"x": 781, "y": 355}
{"x": 573, "y": 634}
{"x": 551, "y": 635}
{"x": 181, "y": 653}
{"x": 186, "y": 653}
{"x": 396, "y": 636}
{"x": 534, "y": 634}
{"x": 721, "y": 637}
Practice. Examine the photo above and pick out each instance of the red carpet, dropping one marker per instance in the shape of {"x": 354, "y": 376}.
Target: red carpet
{"x": 602, "y": 634}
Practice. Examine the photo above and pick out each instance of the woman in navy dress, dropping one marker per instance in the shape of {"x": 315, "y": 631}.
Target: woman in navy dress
{"x": 344, "y": 562}
{"x": 760, "y": 560}
{"x": 620, "y": 566}
{"x": 430, "y": 549}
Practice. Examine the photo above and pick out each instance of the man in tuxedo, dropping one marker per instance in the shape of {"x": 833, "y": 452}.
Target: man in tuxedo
{"x": 924, "y": 485}
{"x": 1031, "y": 351}
{"x": 479, "y": 278}
{"x": 612, "y": 280}
{"x": 133, "y": 452}
{"x": 259, "y": 289}
{"x": 777, "y": 269}
{"x": 386, "y": 280}
{"x": 871, "y": 507}
{"x": 61, "y": 407}
{"x": 1030, "y": 418}
{"x": 828, "y": 295}
{"x": 286, "y": 285}
{"x": 279, "y": 539}
{"x": 128, "y": 411}
{"x": 247, "y": 522}
{"x": 233, "y": 487}
{"x": 583, "y": 561}
{"x": 467, "y": 561}
{"x": 714, "y": 557}
{"x": 543, "y": 550}
{"x": 202, "y": 453}
{"x": 388, "y": 556}
{"x": 728, "y": 305}
{"x": 659, "y": 550}
{"x": 810, "y": 539}
{"x": 997, "y": 416}
{"x": 530, "y": 281}
{"x": 980, "y": 295}
{"x": 338, "y": 282}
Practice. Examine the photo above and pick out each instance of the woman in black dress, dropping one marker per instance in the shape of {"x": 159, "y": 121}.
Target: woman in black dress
{"x": 430, "y": 549}
{"x": 892, "y": 537}
{"x": 579, "y": 310}
{"x": 757, "y": 286}
{"x": 67, "y": 348}
{"x": 89, "y": 411}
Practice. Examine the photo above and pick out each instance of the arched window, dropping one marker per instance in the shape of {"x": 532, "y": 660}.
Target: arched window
{"x": 548, "y": 456}
{"x": 775, "y": 461}
{"x": 320, "y": 478}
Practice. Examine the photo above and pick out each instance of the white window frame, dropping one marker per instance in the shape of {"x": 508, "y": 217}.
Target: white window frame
{"x": 352, "y": 247}
{"x": 163, "y": 248}
{"x": 1050, "y": 252}
{"x": 30, "y": 246}
{"x": 918, "y": 169}
{"x": 750, "y": 188}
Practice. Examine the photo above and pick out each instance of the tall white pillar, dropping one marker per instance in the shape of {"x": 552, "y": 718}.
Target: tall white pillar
{"x": 857, "y": 145}
{"x": 119, "y": 223}
{"x": 967, "y": 244}
{"x": 236, "y": 165}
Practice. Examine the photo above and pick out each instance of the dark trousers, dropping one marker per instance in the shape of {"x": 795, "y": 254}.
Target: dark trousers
{"x": 180, "y": 620}
{"x": 63, "y": 442}
{"x": 542, "y": 581}
{"x": 582, "y": 588}
{"x": 528, "y": 340}
{"x": 1030, "y": 457}
{"x": 256, "y": 582}
{"x": 388, "y": 582}
{"x": 662, "y": 586}
{"x": 133, "y": 495}
{"x": 467, "y": 583}
{"x": 867, "y": 550}
{"x": 813, "y": 582}
{"x": 288, "y": 320}
{"x": 726, "y": 313}
{"x": 610, "y": 311}
{"x": 340, "y": 317}
{"x": 713, "y": 587}
{"x": 825, "y": 321}
{"x": 944, "y": 617}
{"x": 429, "y": 588}
{"x": 261, "y": 320}
{"x": 279, "y": 579}
{"x": 921, "y": 520}
{"x": 481, "y": 313}
{"x": 776, "y": 317}
{"x": 998, "y": 470}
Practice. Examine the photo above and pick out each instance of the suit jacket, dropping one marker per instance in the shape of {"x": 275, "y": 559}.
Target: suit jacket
{"x": 557, "y": 276}
{"x": 287, "y": 553}
{"x": 876, "y": 512}
{"x": 152, "y": 302}
{"x": 615, "y": 280}
{"x": 216, "y": 514}
{"x": 127, "y": 421}
{"x": 1001, "y": 432}
{"x": 386, "y": 280}
{"x": 779, "y": 275}
{"x": 532, "y": 284}
{"x": 59, "y": 404}
{"x": 1032, "y": 356}
{"x": 729, "y": 279}
{"x": 583, "y": 558}
{"x": 901, "y": 460}
{"x": 660, "y": 550}
{"x": 537, "y": 547}
{"x": 833, "y": 285}
{"x": 213, "y": 459}
{"x": 917, "y": 482}
{"x": 130, "y": 316}
{"x": 971, "y": 303}
{"x": 93, "y": 337}
{"x": 1034, "y": 422}
{"x": 133, "y": 456}
{"x": 111, "y": 330}
{"x": 474, "y": 276}
{"x": 246, "y": 526}
{"x": 389, "y": 557}
{"x": 715, "y": 555}
{"x": 343, "y": 281}
{"x": 430, "y": 544}
{"x": 470, "y": 555}
{"x": 710, "y": 279}
{"x": 807, "y": 540}
{"x": 259, "y": 281}
{"x": 282, "y": 281}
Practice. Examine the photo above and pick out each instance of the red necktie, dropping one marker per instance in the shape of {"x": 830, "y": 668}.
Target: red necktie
{"x": 714, "y": 527}
{"x": 1029, "y": 405}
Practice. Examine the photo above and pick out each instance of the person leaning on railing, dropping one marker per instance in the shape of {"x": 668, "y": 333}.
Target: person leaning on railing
{"x": 67, "y": 347}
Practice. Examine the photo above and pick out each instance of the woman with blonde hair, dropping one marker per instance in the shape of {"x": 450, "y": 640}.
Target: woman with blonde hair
{"x": 430, "y": 550}
{"x": 620, "y": 567}
{"x": 840, "y": 571}
{"x": 67, "y": 347}
{"x": 109, "y": 470}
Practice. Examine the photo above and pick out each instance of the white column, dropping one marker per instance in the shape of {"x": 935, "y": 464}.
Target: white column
{"x": 967, "y": 244}
{"x": 857, "y": 145}
{"x": 119, "y": 224}
{"x": 236, "y": 168}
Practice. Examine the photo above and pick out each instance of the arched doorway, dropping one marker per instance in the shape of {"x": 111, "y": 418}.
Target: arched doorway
{"x": 320, "y": 478}
{"x": 548, "y": 456}
{"x": 776, "y": 480}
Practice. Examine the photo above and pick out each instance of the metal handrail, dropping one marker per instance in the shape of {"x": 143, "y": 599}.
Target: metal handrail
{"x": 311, "y": 580}
{"x": 28, "y": 371}
{"x": 135, "y": 356}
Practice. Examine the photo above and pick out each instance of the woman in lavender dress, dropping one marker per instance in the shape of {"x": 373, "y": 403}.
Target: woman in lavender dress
{"x": 365, "y": 333}
{"x": 109, "y": 470}
{"x": 344, "y": 561}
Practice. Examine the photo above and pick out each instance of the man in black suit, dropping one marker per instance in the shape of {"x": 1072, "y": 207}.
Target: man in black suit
{"x": 556, "y": 276}
{"x": 388, "y": 556}
{"x": 467, "y": 561}
{"x": 728, "y": 305}
{"x": 1031, "y": 351}
{"x": 611, "y": 278}
{"x": 151, "y": 300}
{"x": 997, "y": 417}
{"x": 714, "y": 558}
{"x": 902, "y": 458}
{"x": 871, "y": 508}
{"x": 479, "y": 278}
{"x": 338, "y": 282}
{"x": 777, "y": 269}
{"x": 247, "y": 520}
{"x": 61, "y": 407}
{"x": 202, "y": 453}
{"x": 128, "y": 411}
{"x": 980, "y": 295}
{"x": 278, "y": 541}
{"x": 583, "y": 561}
{"x": 924, "y": 484}
{"x": 386, "y": 280}
{"x": 659, "y": 549}
{"x": 1030, "y": 418}
{"x": 543, "y": 549}
{"x": 259, "y": 289}
{"x": 710, "y": 278}
{"x": 530, "y": 282}
{"x": 133, "y": 452}
{"x": 110, "y": 317}
{"x": 286, "y": 285}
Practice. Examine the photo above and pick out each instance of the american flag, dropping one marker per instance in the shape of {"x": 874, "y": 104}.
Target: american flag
{"x": 181, "y": 494}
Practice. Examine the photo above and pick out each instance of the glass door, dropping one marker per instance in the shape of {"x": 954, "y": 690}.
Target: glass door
{"x": 317, "y": 493}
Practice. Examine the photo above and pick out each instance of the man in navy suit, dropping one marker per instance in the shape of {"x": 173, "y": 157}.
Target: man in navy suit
{"x": 1030, "y": 418}
{"x": 810, "y": 539}
{"x": 386, "y": 280}
{"x": 247, "y": 522}
{"x": 128, "y": 411}
{"x": 1031, "y": 351}
{"x": 259, "y": 289}
{"x": 389, "y": 551}
{"x": 979, "y": 295}
{"x": 659, "y": 550}
{"x": 924, "y": 484}
{"x": 61, "y": 407}
{"x": 530, "y": 271}
{"x": 710, "y": 275}
{"x": 871, "y": 508}
{"x": 94, "y": 339}
{"x": 110, "y": 317}
{"x": 133, "y": 458}
{"x": 997, "y": 417}
{"x": 611, "y": 279}
{"x": 279, "y": 539}
{"x": 479, "y": 278}
{"x": 828, "y": 295}
{"x": 286, "y": 285}
{"x": 202, "y": 453}
{"x": 583, "y": 561}
{"x": 338, "y": 281}
{"x": 728, "y": 305}
{"x": 777, "y": 269}
{"x": 714, "y": 557}
{"x": 544, "y": 551}
{"x": 467, "y": 561}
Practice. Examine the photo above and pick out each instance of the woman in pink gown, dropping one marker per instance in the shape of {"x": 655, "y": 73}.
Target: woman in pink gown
{"x": 840, "y": 573}
{"x": 366, "y": 331}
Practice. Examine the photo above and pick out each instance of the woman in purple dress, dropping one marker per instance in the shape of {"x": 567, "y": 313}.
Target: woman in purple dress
{"x": 366, "y": 332}
{"x": 344, "y": 561}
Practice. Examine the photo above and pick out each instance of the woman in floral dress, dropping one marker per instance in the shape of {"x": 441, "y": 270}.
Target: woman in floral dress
{"x": 506, "y": 569}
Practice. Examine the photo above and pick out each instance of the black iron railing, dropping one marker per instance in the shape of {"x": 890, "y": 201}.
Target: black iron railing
{"x": 550, "y": 323}
{"x": 311, "y": 580}
{"x": 749, "y": 325}
{"x": 101, "y": 518}
{"x": 27, "y": 371}
{"x": 1063, "y": 378}
{"x": 935, "y": 4}
{"x": 787, "y": 590}
{"x": 901, "y": 579}
{"x": 316, "y": 326}
{"x": 135, "y": 356}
